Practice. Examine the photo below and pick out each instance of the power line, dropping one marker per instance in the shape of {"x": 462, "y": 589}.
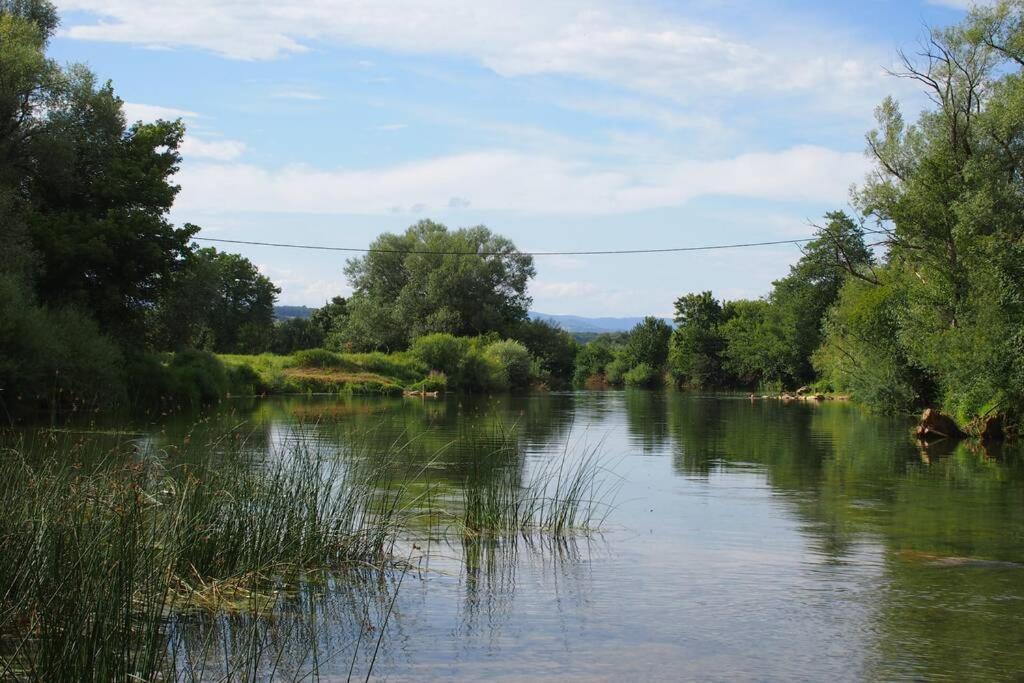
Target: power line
{"x": 608, "y": 252}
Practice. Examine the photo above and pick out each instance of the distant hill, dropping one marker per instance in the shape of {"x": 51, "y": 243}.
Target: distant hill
{"x": 581, "y": 324}
{"x": 575, "y": 324}
{"x": 286, "y": 312}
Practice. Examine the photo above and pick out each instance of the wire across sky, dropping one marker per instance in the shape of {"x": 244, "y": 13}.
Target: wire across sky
{"x": 592, "y": 252}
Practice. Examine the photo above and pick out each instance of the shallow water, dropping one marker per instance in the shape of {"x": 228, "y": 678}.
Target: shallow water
{"x": 749, "y": 541}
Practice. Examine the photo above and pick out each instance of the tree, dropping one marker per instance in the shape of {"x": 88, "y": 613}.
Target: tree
{"x": 217, "y": 301}
{"x": 648, "y": 343}
{"x": 554, "y": 348}
{"x": 696, "y": 345}
{"x": 429, "y": 279}
{"x": 949, "y": 191}
{"x": 99, "y": 194}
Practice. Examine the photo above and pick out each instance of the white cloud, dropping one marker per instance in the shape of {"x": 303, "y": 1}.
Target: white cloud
{"x": 135, "y": 111}
{"x": 218, "y": 150}
{"x": 192, "y": 146}
{"x": 631, "y": 45}
{"x": 564, "y": 290}
{"x": 514, "y": 181}
{"x": 304, "y": 95}
{"x": 962, "y": 4}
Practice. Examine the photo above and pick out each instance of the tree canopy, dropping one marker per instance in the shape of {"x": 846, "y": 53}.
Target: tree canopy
{"x": 430, "y": 279}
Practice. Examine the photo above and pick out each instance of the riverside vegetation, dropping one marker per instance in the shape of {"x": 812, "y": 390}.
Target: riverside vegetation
{"x": 917, "y": 301}
{"x": 127, "y": 560}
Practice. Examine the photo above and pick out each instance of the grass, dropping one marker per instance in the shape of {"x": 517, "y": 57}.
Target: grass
{"x": 563, "y": 495}
{"x": 322, "y": 371}
{"x": 103, "y": 551}
{"x": 122, "y": 561}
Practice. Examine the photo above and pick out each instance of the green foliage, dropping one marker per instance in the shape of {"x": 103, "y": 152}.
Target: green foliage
{"x": 295, "y": 334}
{"x": 410, "y": 287}
{"x": 435, "y": 381}
{"x": 481, "y": 372}
{"x": 949, "y": 302}
{"x": 648, "y": 343}
{"x": 442, "y": 352}
{"x": 403, "y": 366}
{"x": 219, "y": 301}
{"x": 514, "y": 360}
{"x": 198, "y": 378}
{"x": 591, "y": 361}
{"x": 615, "y": 371}
{"x": 695, "y": 350}
{"x": 553, "y": 347}
{"x": 54, "y": 356}
{"x": 319, "y": 358}
{"x": 642, "y": 375}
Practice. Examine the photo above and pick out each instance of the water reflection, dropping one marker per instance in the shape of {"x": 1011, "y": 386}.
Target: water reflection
{"x": 753, "y": 540}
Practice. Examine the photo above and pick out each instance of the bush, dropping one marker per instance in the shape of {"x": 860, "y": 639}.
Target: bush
{"x": 198, "y": 378}
{"x": 514, "y": 360}
{"x": 643, "y": 375}
{"x": 553, "y": 347}
{"x": 592, "y": 360}
{"x": 442, "y": 352}
{"x": 615, "y": 371}
{"x": 55, "y": 356}
{"x": 481, "y": 372}
{"x": 243, "y": 380}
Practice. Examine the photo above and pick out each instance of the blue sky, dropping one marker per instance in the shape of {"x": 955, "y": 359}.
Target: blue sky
{"x": 563, "y": 125}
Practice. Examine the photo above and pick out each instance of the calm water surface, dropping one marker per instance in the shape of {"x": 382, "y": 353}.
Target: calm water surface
{"x": 749, "y": 541}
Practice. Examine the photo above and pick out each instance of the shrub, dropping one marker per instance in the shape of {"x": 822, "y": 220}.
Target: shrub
{"x": 243, "y": 380}
{"x": 442, "y": 352}
{"x": 553, "y": 347}
{"x": 643, "y": 375}
{"x": 592, "y": 360}
{"x": 514, "y": 360}
{"x": 615, "y": 371}
{"x": 197, "y": 377}
{"x": 54, "y": 355}
{"x": 481, "y": 372}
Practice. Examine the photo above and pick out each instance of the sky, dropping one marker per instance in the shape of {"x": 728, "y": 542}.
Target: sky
{"x": 564, "y": 125}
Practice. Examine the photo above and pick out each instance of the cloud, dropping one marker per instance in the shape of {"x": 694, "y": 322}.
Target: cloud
{"x": 192, "y": 146}
{"x": 514, "y": 181}
{"x": 135, "y": 111}
{"x": 962, "y": 4}
{"x": 304, "y": 95}
{"x": 218, "y": 150}
{"x": 634, "y": 45}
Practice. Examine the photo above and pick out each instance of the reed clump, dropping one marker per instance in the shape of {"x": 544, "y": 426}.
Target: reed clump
{"x": 560, "y": 495}
{"x": 103, "y": 549}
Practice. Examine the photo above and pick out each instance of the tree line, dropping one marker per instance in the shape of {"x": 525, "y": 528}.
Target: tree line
{"x": 97, "y": 287}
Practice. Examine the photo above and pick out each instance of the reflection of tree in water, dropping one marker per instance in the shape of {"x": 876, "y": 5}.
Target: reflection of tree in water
{"x": 646, "y": 418}
{"x": 950, "y": 521}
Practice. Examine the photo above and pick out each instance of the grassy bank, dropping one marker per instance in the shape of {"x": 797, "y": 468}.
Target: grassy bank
{"x": 320, "y": 371}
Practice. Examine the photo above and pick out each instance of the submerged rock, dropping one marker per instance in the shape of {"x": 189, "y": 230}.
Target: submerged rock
{"x": 935, "y": 425}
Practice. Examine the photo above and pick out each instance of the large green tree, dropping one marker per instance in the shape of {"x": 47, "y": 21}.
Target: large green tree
{"x": 83, "y": 196}
{"x": 431, "y": 279}
{"x": 949, "y": 188}
{"x": 217, "y": 301}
